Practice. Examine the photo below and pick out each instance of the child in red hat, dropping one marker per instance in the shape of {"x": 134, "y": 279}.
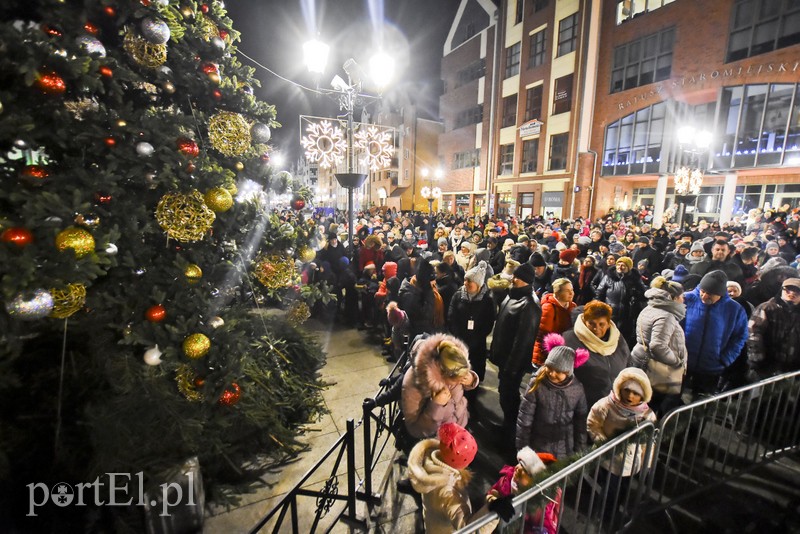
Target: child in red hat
{"x": 437, "y": 470}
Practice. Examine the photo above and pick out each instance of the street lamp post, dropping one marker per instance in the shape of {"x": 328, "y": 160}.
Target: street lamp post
{"x": 693, "y": 144}
{"x": 429, "y": 192}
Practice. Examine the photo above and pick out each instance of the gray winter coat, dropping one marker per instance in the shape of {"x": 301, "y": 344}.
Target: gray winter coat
{"x": 658, "y": 327}
{"x": 553, "y": 418}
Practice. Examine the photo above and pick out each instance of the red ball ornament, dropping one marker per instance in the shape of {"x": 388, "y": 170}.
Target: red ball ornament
{"x": 191, "y": 167}
{"x": 52, "y": 31}
{"x": 110, "y": 142}
{"x": 204, "y": 8}
{"x": 17, "y": 235}
{"x": 231, "y": 396}
{"x": 102, "y": 197}
{"x": 217, "y": 94}
{"x": 51, "y": 83}
{"x": 156, "y": 314}
{"x": 145, "y": 3}
{"x": 298, "y": 203}
{"x": 106, "y": 71}
{"x": 110, "y": 11}
{"x": 91, "y": 28}
{"x": 35, "y": 171}
{"x": 188, "y": 147}
{"x": 223, "y": 34}
{"x": 210, "y": 68}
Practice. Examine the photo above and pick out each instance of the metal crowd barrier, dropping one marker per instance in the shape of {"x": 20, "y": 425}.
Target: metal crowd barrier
{"x": 694, "y": 448}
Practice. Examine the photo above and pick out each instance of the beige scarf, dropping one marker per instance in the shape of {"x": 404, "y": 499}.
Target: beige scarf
{"x": 594, "y": 343}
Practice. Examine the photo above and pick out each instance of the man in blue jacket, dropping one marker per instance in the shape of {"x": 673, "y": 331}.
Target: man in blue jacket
{"x": 716, "y": 330}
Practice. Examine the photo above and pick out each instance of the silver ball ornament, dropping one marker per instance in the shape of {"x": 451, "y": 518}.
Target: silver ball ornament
{"x": 216, "y": 322}
{"x": 218, "y": 44}
{"x": 91, "y": 45}
{"x": 111, "y": 249}
{"x": 155, "y": 30}
{"x": 144, "y": 149}
{"x": 21, "y": 144}
{"x": 260, "y": 133}
{"x": 30, "y": 306}
{"x": 165, "y": 71}
{"x": 152, "y": 356}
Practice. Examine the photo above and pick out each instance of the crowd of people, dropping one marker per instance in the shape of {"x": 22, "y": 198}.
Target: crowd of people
{"x": 615, "y": 321}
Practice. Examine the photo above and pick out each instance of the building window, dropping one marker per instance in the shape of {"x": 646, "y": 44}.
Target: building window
{"x": 506, "y": 159}
{"x": 760, "y": 26}
{"x": 539, "y": 5}
{"x": 628, "y": 9}
{"x": 567, "y": 34}
{"x": 643, "y": 61}
{"x": 473, "y": 71}
{"x": 633, "y": 143}
{"x": 467, "y": 159}
{"x": 538, "y": 44}
{"x": 520, "y": 11}
{"x": 562, "y": 95}
{"x": 530, "y": 155}
{"x": 512, "y": 60}
{"x": 469, "y": 116}
{"x": 558, "y": 151}
{"x": 510, "y": 111}
{"x": 533, "y": 103}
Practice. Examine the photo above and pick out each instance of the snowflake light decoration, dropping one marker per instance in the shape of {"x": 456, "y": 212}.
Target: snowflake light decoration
{"x": 324, "y": 144}
{"x": 377, "y": 147}
{"x": 688, "y": 181}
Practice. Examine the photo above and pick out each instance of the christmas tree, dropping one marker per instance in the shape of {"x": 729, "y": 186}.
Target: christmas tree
{"x": 134, "y": 276}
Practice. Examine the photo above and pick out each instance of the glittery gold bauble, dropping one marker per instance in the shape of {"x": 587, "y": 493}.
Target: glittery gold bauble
{"x": 143, "y": 52}
{"x": 239, "y": 166}
{"x": 184, "y": 216}
{"x": 77, "y": 239}
{"x": 229, "y": 133}
{"x": 208, "y": 30}
{"x": 68, "y": 300}
{"x": 306, "y": 254}
{"x": 193, "y": 273}
{"x": 218, "y": 199}
{"x": 298, "y": 313}
{"x": 274, "y": 271}
{"x": 185, "y": 377}
{"x": 196, "y": 346}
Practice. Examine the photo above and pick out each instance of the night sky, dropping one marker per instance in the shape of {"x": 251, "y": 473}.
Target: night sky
{"x": 273, "y": 33}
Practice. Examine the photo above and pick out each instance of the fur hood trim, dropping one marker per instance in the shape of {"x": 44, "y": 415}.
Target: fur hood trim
{"x": 633, "y": 373}
{"x": 427, "y": 370}
{"x": 428, "y": 472}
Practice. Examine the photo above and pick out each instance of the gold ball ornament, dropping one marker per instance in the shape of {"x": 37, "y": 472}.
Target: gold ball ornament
{"x": 184, "y": 216}
{"x": 229, "y": 133}
{"x": 274, "y": 271}
{"x": 306, "y": 254}
{"x": 143, "y": 52}
{"x": 193, "y": 273}
{"x": 239, "y": 166}
{"x": 77, "y": 239}
{"x": 298, "y": 313}
{"x": 67, "y": 301}
{"x": 208, "y": 30}
{"x": 186, "y": 379}
{"x": 196, "y": 346}
{"x": 218, "y": 199}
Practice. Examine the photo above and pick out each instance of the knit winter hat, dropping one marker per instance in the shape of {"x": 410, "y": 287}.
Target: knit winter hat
{"x": 772, "y": 244}
{"x": 715, "y": 282}
{"x": 457, "y": 447}
{"x": 627, "y": 261}
{"x": 568, "y": 255}
{"x": 389, "y": 269}
{"x": 523, "y": 238}
{"x": 636, "y": 375}
{"x": 697, "y": 245}
{"x": 734, "y": 284}
{"x": 477, "y": 274}
{"x": 530, "y": 461}
{"x": 643, "y": 239}
{"x": 525, "y": 273}
{"x": 441, "y": 241}
{"x": 561, "y": 358}
{"x": 537, "y": 260}
{"x": 584, "y": 240}
{"x": 680, "y": 274}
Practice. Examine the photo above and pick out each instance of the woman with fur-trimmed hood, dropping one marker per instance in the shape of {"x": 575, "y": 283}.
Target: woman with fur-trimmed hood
{"x": 434, "y": 385}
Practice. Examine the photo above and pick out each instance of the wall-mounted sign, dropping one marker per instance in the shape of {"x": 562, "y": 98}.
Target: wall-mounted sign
{"x": 532, "y": 127}
{"x": 552, "y": 199}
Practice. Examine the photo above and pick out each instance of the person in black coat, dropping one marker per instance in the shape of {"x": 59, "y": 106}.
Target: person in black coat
{"x": 512, "y": 343}
{"x": 471, "y": 316}
{"x": 646, "y": 252}
{"x": 445, "y": 285}
{"x": 542, "y": 274}
{"x": 623, "y": 290}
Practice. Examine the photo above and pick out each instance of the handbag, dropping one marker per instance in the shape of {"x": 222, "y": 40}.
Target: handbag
{"x": 664, "y": 378}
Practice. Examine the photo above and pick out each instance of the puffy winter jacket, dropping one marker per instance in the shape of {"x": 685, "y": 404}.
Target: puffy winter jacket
{"x": 555, "y": 318}
{"x": 715, "y": 334}
{"x": 598, "y": 373}
{"x": 773, "y": 345}
{"x": 658, "y": 327}
{"x": 553, "y": 418}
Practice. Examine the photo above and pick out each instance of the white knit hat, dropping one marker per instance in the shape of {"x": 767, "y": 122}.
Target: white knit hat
{"x": 477, "y": 274}
{"x": 530, "y": 461}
